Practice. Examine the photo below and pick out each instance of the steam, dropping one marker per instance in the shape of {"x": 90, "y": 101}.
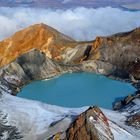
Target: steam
{"x": 80, "y": 23}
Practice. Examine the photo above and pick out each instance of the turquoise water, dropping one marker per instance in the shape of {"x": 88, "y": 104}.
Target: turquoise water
{"x": 77, "y": 90}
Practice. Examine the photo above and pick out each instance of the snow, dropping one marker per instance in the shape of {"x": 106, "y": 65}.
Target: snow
{"x": 91, "y": 119}
{"x": 4, "y": 136}
{"x": 103, "y": 131}
{"x": 34, "y": 118}
{"x": 137, "y": 102}
{"x": 120, "y": 134}
{"x": 118, "y": 126}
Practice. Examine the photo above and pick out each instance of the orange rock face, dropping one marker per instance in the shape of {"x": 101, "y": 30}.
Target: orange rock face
{"x": 38, "y": 36}
{"x": 119, "y": 50}
{"x": 95, "y": 53}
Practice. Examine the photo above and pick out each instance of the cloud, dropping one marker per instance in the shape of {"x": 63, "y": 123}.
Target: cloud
{"x": 80, "y": 23}
{"x": 66, "y": 1}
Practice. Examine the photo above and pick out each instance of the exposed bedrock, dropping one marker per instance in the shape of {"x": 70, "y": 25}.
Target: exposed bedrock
{"x": 90, "y": 125}
{"x": 40, "y": 52}
{"x": 33, "y": 65}
{"x": 117, "y": 55}
{"x": 130, "y": 104}
{"x": 122, "y": 51}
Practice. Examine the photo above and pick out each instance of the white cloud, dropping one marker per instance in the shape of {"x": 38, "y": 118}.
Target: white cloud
{"x": 80, "y": 23}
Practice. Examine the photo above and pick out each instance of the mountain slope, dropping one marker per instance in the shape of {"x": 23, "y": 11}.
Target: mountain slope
{"x": 39, "y": 36}
{"x": 40, "y": 52}
{"x": 40, "y": 121}
{"x": 121, "y": 50}
{"x": 117, "y": 55}
{"x": 31, "y": 66}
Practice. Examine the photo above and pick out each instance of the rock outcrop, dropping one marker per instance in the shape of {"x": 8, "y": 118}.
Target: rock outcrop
{"x": 126, "y": 101}
{"x": 39, "y": 36}
{"x": 117, "y": 55}
{"x": 33, "y": 65}
{"x": 130, "y": 105}
{"x": 40, "y": 52}
{"x": 38, "y": 121}
{"x": 134, "y": 121}
{"x": 121, "y": 50}
{"x": 90, "y": 125}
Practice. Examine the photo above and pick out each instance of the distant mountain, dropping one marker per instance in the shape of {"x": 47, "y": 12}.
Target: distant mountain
{"x": 133, "y": 6}
{"x": 66, "y": 3}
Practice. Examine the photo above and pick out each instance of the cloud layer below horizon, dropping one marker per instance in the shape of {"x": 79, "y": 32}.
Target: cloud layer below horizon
{"x": 80, "y": 23}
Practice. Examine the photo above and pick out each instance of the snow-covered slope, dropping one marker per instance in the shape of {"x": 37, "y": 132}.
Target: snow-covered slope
{"x": 36, "y": 120}
{"x": 118, "y": 126}
{"x": 33, "y": 118}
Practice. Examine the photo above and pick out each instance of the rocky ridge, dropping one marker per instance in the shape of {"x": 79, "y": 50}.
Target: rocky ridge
{"x": 91, "y": 124}
{"x": 39, "y": 121}
{"x": 116, "y": 55}
{"x": 41, "y": 52}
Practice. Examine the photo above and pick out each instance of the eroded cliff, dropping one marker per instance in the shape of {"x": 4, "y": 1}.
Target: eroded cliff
{"x": 40, "y": 52}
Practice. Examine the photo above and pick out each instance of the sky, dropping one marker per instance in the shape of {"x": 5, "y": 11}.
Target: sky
{"x": 79, "y": 23}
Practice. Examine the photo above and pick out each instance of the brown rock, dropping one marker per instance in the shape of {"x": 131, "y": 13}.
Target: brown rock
{"x": 39, "y": 36}
{"x": 134, "y": 121}
{"x": 120, "y": 51}
{"x": 90, "y": 125}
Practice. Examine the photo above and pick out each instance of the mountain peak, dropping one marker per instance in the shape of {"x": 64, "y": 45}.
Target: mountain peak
{"x": 38, "y": 36}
